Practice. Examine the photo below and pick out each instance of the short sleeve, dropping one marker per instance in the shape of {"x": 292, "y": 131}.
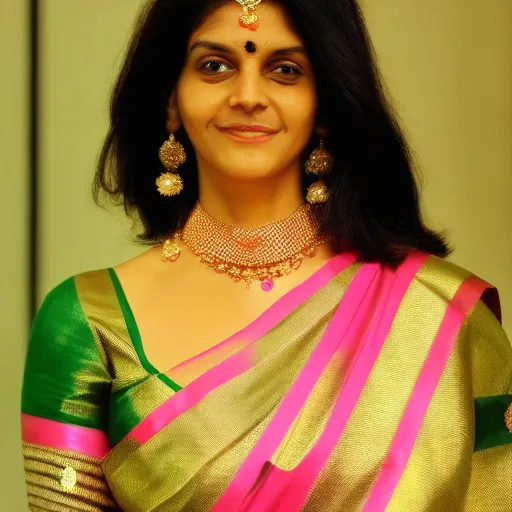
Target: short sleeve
{"x": 490, "y": 486}
{"x": 64, "y": 408}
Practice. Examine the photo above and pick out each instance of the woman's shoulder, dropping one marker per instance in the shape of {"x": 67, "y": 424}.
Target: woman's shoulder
{"x": 91, "y": 283}
{"x": 447, "y": 277}
{"x": 61, "y": 313}
{"x": 439, "y": 282}
{"x": 444, "y": 269}
{"x": 77, "y": 301}
{"x": 66, "y": 293}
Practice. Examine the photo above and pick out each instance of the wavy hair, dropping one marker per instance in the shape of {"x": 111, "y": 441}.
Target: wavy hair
{"x": 374, "y": 205}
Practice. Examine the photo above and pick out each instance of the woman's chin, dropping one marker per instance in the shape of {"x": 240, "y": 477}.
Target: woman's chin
{"x": 248, "y": 174}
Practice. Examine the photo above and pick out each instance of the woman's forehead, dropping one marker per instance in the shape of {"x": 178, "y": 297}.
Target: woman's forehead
{"x": 275, "y": 29}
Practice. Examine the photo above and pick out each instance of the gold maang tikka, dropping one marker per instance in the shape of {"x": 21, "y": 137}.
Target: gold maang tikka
{"x": 249, "y": 18}
{"x": 172, "y": 155}
{"x": 320, "y": 162}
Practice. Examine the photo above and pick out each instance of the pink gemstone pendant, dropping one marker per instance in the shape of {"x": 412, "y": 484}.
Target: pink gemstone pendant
{"x": 267, "y": 285}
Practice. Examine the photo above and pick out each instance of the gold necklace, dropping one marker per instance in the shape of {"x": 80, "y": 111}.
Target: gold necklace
{"x": 249, "y": 254}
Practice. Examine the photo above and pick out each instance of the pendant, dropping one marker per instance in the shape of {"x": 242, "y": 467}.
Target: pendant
{"x": 267, "y": 284}
{"x": 171, "y": 249}
{"x": 249, "y": 19}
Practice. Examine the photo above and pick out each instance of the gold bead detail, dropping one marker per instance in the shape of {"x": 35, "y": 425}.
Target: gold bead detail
{"x": 317, "y": 193}
{"x": 169, "y": 184}
{"x": 172, "y": 154}
{"x": 320, "y": 161}
{"x": 171, "y": 249}
{"x": 508, "y": 418}
{"x": 68, "y": 478}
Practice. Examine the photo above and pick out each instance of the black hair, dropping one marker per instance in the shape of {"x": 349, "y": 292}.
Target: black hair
{"x": 374, "y": 206}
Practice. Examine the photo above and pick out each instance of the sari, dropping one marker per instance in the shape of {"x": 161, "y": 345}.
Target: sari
{"x": 364, "y": 388}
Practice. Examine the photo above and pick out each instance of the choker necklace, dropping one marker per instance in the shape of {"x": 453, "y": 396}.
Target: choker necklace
{"x": 249, "y": 254}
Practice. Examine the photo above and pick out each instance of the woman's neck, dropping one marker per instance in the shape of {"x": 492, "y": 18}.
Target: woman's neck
{"x": 251, "y": 203}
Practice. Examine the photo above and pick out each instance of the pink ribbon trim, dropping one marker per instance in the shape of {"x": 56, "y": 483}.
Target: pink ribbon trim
{"x": 398, "y": 455}
{"x": 54, "y": 434}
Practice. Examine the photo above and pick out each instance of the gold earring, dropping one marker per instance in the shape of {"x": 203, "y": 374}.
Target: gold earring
{"x": 172, "y": 155}
{"x": 320, "y": 162}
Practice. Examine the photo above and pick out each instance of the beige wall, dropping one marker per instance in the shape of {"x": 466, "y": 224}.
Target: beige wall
{"x": 13, "y": 215}
{"x": 448, "y": 67}
{"x": 81, "y": 50}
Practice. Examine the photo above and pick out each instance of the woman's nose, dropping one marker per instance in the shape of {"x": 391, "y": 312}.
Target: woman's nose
{"x": 249, "y": 90}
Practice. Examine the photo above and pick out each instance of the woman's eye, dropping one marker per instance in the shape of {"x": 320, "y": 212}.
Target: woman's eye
{"x": 290, "y": 70}
{"x": 214, "y": 68}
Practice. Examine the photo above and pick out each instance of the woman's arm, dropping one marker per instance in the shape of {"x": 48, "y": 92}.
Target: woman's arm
{"x": 65, "y": 409}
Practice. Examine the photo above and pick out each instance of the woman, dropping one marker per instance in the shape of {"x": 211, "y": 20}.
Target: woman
{"x": 359, "y": 370}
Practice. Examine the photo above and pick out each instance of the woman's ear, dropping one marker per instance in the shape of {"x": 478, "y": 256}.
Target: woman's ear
{"x": 173, "y": 115}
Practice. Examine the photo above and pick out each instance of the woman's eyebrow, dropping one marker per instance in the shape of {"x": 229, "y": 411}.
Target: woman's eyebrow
{"x": 217, "y": 47}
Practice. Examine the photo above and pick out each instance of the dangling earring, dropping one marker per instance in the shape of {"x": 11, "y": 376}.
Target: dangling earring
{"x": 172, "y": 155}
{"x": 319, "y": 162}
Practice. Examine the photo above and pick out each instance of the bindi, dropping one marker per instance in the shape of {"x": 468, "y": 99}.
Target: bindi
{"x": 250, "y": 47}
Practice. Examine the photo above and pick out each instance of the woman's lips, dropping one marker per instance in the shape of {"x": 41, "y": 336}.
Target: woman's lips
{"x": 245, "y": 136}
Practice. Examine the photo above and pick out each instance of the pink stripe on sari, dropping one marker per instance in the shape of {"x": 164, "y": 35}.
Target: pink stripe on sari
{"x": 285, "y": 491}
{"x": 356, "y": 298}
{"x": 398, "y": 455}
{"x": 242, "y": 360}
{"x": 54, "y": 434}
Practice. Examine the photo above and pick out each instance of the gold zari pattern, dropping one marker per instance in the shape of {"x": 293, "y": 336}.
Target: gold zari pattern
{"x": 68, "y": 478}
{"x": 64, "y": 480}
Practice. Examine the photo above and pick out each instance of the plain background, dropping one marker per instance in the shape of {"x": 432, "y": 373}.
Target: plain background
{"x": 446, "y": 63}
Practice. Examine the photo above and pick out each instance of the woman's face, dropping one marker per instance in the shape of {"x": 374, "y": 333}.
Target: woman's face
{"x": 219, "y": 87}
